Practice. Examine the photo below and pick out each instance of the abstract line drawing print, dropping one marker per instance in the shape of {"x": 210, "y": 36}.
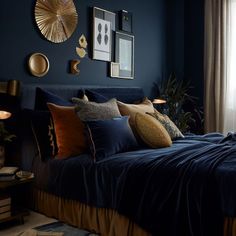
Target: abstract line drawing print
{"x": 102, "y": 44}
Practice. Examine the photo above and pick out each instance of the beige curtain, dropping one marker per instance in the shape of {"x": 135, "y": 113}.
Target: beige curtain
{"x": 215, "y": 62}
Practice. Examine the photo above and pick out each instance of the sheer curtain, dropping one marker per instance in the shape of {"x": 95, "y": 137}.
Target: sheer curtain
{"x": 215, "y": 63}
{"x": 230, "y": 91}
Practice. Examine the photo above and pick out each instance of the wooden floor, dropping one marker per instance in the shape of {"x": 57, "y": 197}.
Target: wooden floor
{"x": 31, "y": 221}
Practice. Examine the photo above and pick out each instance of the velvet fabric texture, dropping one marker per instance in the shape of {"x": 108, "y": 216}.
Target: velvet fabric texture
{"x": 102, "y": 221}
{"x": 43, "y": 97}
{"x": 44, "y": 132}
{"x": 151, "y": 131}
{"x": 108, "y": 137}
{"x": 169, "y": 125}
{"x": 128, "y": 95}
{"x": 92, "y": 96}
{"x": 69, "y": 131}
{"x": 87, "y": 111}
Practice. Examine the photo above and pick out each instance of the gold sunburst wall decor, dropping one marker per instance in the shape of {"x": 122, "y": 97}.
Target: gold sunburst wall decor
{"x": 56, "y": 19}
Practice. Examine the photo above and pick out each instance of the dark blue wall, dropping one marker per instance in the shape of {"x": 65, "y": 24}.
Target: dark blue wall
{"x": 20, "y": 37}
{"x": 194, "y": 46}
{"x": 185, "y": 42}
{"x": 175, "y": 44}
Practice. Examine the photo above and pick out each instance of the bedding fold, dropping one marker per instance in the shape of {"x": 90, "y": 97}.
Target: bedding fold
{"x": 185, "y": 186}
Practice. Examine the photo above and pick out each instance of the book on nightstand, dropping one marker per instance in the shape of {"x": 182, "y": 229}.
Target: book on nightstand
{"x": 8, "y": 170}
{"x": 5, "y": 200}
{"x": 7, "y": 173}
{"x": 5, "y": 215}
{"x": 5, "y": 207}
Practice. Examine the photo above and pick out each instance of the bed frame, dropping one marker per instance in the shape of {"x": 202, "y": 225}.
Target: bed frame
{"x": 106, "y": 222}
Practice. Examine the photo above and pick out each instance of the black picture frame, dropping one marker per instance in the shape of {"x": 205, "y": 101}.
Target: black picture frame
{"x": 105, "y": 19}
{"x": 124, "y": 54}
{"x": 125, "y": 21}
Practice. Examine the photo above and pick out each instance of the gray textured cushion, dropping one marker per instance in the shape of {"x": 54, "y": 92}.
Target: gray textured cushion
{"x": 88, "y": 111}
{"x": 169, "y": 125}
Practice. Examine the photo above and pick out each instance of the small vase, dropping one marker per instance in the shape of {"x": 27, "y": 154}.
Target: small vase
{"x": 2, "y": 156}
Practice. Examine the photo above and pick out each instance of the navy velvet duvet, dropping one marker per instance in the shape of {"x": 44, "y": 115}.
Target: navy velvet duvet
{"x": 186, "y": 189}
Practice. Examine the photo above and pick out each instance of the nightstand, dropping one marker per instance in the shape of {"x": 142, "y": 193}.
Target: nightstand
{"x": 15, "y": 193}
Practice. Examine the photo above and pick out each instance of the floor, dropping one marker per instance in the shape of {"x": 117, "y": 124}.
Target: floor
{"x": 31, "y": 221}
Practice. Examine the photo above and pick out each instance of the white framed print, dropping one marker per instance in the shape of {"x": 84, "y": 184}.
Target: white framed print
{"x": 103, "y": 27}
{"x": 124, "y": 54}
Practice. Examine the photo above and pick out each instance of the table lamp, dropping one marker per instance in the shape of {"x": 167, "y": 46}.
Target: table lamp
{"x": 159, "y": 101}
{"x": 9, "y": 104}
{"x": 9, "y": 98}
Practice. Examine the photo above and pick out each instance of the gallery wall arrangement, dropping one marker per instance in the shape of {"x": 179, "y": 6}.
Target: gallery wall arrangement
{"x": 155, "y": 43}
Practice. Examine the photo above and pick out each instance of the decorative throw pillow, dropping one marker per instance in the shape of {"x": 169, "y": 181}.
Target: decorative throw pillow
{"x": 131, "y": 109}
{"x": 169, "y": 125}
{"x": 96, "y": 111}
{"x": 43, "y": 131}
{"x": 151, "y": 131}
{"x": 95, "y": 97}
{"x": 108, "y": 137}
{"x": 92, "y": 96}
{"x": 43, "y": 97}
{"x": 69, "y": 131}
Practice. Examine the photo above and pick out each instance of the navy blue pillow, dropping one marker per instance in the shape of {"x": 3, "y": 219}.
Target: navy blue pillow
{"x": 43, "y": 97}
{"x": 107, "y": 137}
{"x": 92, "y": 96}
{"x": 43, "y": 131}
{"x": 95, "y": 97}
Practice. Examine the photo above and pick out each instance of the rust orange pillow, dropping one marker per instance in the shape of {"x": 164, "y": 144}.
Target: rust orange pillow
{"x": 69, "y": 131}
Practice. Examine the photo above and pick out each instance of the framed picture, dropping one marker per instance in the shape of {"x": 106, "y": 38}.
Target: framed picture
{"x": 103, "y": 27}
{"x": 125, "y": 21}
{"x": 115, "y": 69}
{"x": 124, "y": 55}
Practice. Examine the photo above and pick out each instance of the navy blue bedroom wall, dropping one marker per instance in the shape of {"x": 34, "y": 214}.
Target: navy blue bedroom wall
{"x": 185, "y": 42}
{"x": 20, "y": 37}
{"x": 175, "y": 42}
{"x": 194, "y": 46}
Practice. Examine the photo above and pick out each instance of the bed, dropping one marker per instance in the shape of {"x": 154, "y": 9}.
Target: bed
{"x": 185, "y": 189}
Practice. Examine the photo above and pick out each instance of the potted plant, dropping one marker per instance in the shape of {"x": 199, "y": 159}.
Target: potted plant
{"x": 5, "y": 137}
{"x": 180, "y": 105}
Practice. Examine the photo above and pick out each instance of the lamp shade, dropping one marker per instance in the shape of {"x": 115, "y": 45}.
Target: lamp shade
{"x": 8, "y": 105}
{"x": 159, "y": 101}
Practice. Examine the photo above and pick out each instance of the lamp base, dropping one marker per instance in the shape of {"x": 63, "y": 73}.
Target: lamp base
{"x": 2, "y": 156}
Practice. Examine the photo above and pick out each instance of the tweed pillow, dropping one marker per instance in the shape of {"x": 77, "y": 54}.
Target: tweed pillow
{"x": 87, "y": 111}
{"x": 69, "y": 131}
{"x": 151, "y": 131}
{"x": 132, "y": 109}
{"x": 169, "y": 125}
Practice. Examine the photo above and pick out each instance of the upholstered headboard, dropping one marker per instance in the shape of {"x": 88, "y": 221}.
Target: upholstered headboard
{"x": 28, "y": 148}
{"x": 124, "y": 94}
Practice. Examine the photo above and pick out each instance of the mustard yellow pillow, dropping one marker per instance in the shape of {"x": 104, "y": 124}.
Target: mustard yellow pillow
{"x": 151, "y": 131}
{"x": 131, "y": 109}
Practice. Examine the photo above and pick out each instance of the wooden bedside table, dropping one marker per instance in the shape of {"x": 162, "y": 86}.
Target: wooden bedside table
{"x": 16, "y": 190}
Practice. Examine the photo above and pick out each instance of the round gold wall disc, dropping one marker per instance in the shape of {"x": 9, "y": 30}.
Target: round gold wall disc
{"x": 56, "y": 19}
{"x": 38, "y": 64}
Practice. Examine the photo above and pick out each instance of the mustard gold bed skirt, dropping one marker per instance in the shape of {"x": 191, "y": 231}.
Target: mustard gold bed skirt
{"x": 106, "y": 222}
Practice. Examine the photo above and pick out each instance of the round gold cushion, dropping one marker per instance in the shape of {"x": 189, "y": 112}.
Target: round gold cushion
{"x": 151, "y": 131}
